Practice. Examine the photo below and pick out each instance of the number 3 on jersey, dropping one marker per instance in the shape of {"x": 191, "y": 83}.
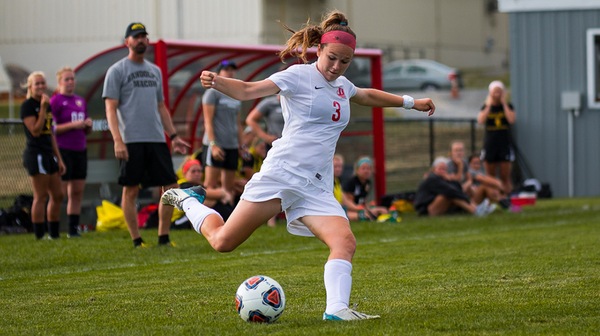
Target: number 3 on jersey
{"x": 338, "y": 108}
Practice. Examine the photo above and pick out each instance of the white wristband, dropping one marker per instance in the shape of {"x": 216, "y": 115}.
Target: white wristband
{"x": 409, "y": 102}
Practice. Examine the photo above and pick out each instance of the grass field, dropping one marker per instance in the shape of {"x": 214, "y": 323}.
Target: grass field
{"x": 531, "y": 273}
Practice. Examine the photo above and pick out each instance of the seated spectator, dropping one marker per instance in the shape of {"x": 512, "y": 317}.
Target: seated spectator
{"x": 251, "y": 160}
{"x": 357, "y": 189}
{"x": 245, "y": 168}
{"x": 485, "y": 186}
{"x": 251, "y": 163}
{"x": 458, "y": 168}
{"x": 353, "y": 211}
{"x": 197, "y": 155}
{"x": 477, "y": 188}
{"x": 216, "y": 198}
{"x": 438, "y": 194}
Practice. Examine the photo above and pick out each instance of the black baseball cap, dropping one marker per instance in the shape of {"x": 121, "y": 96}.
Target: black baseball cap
{"x": 135, "y": 29}
{"x": 226, "y": 64}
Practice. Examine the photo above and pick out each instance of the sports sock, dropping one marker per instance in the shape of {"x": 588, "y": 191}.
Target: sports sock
{"x": 164, "y": 239}
{"x": 54, "y": 227}
{"x": 137, "y": 242}
{"x": 338, "y": 284}
{"x": 362, "y": 216}
{"x": 39, "y": 229}
{"x": 73, "y": 223}
{"x": 197, "y": 212}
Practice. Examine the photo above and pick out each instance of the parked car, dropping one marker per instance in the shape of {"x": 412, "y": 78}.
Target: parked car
{"x": 414, "y": 74}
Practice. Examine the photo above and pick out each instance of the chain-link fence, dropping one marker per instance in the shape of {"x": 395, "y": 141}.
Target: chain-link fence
{"x": 410, "y": 146}
{"x": 13, "y": 176}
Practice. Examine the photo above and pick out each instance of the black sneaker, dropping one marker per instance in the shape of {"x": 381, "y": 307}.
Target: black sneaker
{"x": 504, "y": 203}
{"x": 73, "y": 235}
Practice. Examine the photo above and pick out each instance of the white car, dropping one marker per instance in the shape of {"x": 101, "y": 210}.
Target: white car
{"x": 414, "y": 74}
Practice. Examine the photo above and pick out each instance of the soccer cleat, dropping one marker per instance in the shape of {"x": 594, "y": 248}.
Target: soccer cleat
{"x": 483, "y": 208}
{"x": 143, "y": 245}
{"x": 491, "y": 208}
{"x": 348, "y": 314}
{"x": 168, "y": 244}
{"x": 175, "y": 197}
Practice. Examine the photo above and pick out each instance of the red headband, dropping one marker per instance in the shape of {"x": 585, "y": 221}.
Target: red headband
{"x": 188, "y": 164}
{"x": 338, "y": 36}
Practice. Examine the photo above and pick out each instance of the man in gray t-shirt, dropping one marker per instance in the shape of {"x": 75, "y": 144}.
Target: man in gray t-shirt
{"x": 138, "y": 89}
{"x": 138, "y": 120}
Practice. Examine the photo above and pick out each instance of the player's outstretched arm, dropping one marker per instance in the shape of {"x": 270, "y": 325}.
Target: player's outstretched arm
{"x": 238, "y": 89}
{"x": 424, "y": 105}
{"x": 375, "y": 97}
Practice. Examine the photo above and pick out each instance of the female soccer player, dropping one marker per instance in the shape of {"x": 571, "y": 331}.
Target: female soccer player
{"x": 72, "y": 126}
{"x": 42, "y": 158}
{"x": 297, "y": 175}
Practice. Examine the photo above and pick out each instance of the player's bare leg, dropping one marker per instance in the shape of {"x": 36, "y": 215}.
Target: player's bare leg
{"x": 223, "y": 237}
{"x": 243, "y": 221}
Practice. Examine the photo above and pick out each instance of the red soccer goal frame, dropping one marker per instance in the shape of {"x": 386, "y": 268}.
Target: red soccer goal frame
{"x": 255, "y": 62}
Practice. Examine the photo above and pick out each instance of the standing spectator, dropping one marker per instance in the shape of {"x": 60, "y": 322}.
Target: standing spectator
{"x": 297, "y": 175}
{"x": 438, "y": 194}
{"x": 497, "y": 114}
{"x": 268, "y": 109}
{"x": 222, "y": 133}
{"x": 357, "y": 189}
{"x": 137, "y": 115}
{"x": 72, "y": 124}
{"x": 42, "y": 158}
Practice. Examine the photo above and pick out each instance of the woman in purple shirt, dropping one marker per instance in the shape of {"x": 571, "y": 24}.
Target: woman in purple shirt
{"x": 72, "y": 124}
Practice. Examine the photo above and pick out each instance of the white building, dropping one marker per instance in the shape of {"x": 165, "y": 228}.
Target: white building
{"x": 46, "y": 35}
{"x": 554, "y": 88}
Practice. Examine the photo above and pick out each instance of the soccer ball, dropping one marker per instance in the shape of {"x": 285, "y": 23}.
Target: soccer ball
{"x": 260, "y": 299}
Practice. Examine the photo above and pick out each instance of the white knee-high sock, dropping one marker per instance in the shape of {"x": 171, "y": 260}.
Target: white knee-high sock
{"x": 196, "y": 212}
{"x": 338, "y": 284}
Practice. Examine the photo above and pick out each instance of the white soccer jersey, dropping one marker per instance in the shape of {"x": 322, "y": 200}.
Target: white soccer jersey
{"x": 315, "y": 112}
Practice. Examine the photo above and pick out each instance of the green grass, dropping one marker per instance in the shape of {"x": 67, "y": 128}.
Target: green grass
{"x": 535, "y": 272}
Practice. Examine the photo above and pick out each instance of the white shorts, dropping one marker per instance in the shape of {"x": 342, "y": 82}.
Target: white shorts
{"x": 299, "y": 197}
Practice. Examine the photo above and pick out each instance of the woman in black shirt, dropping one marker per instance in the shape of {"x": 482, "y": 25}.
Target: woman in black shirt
{"x": 497, "y": 115}
{"x": 41, "y": 157}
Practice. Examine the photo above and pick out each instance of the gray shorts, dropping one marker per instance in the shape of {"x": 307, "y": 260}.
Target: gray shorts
{"x": 299, "y": 197}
